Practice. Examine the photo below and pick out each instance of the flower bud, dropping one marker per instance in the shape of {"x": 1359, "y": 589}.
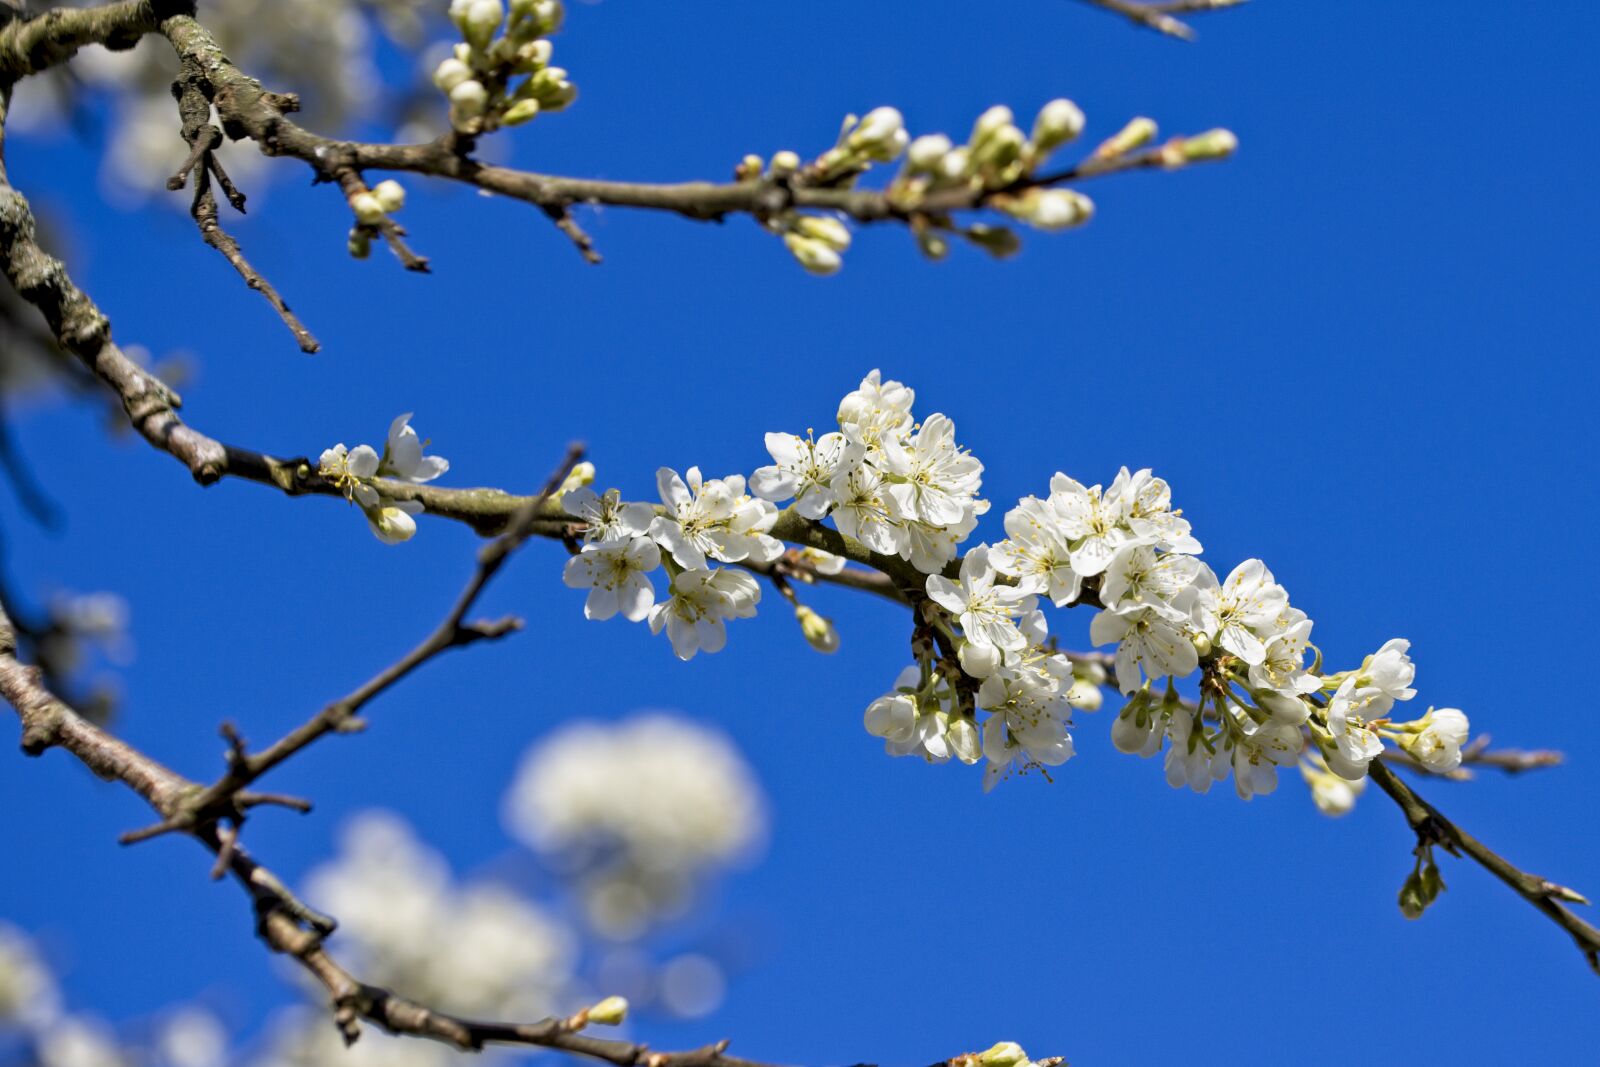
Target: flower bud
{"x": 609, "y": 1012}
{"x": 548, "y": 15}
{"x": 881, "y": 135}
{"x": 482, "y": 19}
{"x": 932, "y": 243}
{"x": 892, "y": 717}
{"x": 965, "y": 740}
{"x": 819, "y": 632}
{"x": 391, "y": 524}
{"x": 368, "y": 208}
{"x": 749, "y": 168}
{"x": 1004, "y": 1054}
{"x": 1208, "y": 146}
{"x": 978, "y": 660}
{"x": 582, "y": 474}
{"x": 1058, "y": 122}
{"x": 1051, "y": 209}
{"x": 391, "y": 195}
{"x": 990, "y": 123}
{"x": 1085, "y": 694}
{"x": 458, "y": 12}
{"x": 359, "y": 244}
{"x": 784, "y": 164}
{"x": 998, "y": 241}
{"x": 533, "y": 56}
{"x": 829, "y": 231}
{"x": 520, "y": 112}
{"x": 469, "y": 99}
{"x": 450, "y": 73}
{"x": 926, "y": 152}
{"x": 956, "y": 164}
{"x": 1000, "y": 150}
{"x": 815, "y": 256}
{"x": 1136, "y": 134}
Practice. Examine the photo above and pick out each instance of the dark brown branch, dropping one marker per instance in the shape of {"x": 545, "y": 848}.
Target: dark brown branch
{"x": 194, "y": 107}
{"x": 283, "y": 922}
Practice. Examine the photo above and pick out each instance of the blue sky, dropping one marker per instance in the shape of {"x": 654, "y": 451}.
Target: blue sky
{"x": 1363, "y": 351}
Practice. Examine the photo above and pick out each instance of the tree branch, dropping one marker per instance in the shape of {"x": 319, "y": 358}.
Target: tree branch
{"x": 31, "y": 45}
{"x": 1431, "y": 827}
{"x": 1158, "y": 15}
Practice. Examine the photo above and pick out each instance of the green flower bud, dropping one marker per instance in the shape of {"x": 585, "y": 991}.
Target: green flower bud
{"x": 1058, "y": 122}
{"x": 819, "y": 631}
{"x": 989, "y": 123}
{"x": 932, "y": 244}
{"x": 1004, "y": 1054}
{"x": 520, "y": 112}
{"x": 359, "y": 244}
{"x": 1136, "y": 134}
{"x": 609, "y": 1012}
{"x": 1209, "y": 146}
{"x": 829, "y": 231}
{"x": 815, "y": 256}
{"x": 998, "y": 241}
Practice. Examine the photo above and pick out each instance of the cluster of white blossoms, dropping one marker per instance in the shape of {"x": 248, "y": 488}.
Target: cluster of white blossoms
{"x": 353, "y": 470}
{"x": 474, "y": 948}
{"x": 638, "y": 811}
{"x": 497, "y": 48}
{"x": 997, "y": 160}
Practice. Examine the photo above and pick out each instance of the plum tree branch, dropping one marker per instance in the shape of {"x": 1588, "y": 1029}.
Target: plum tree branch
{"x": 284, "y": 923}
{"x": 1158, "y": 14}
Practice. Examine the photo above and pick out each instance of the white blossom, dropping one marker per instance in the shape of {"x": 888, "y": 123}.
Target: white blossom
{"x": 616, "y": 573}
{"x": 1389, "y": 672}
{"x": 1243, "y": 610}
{"x": 876, "y": 409}
{"x": 862, "y": 511}
{"x": 712, "y": 518}
{"x": 702, "y": 600}
{"x": 27, "y": 990}
{"x": 931, "y": 479}
{"x": 1282, "y": 668}
{"x": 986, "y": 611}
{"x": 1437, "y": 744}
{"x": 1089, "y": 521}
{"x": 1138, "y": 577}
{"x": 1145, "y": 504}
{"x": 1145, "y": 639}
{"x": 606, "y": 517}
{"x": 805, "y": 470}
{"x": 1036, "y": 552}
{"x": 1355, "y": 743}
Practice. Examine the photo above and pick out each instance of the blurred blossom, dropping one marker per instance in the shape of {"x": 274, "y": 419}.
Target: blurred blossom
{"x": 193, "y": 1037}
{"x": 637, "y": 809}
{"x": 470, "y": 949}
{"x": 27, "y": 991}
{"x": 79, "y": 1042}
{"x": 692, "y": 986}
{"x": 304, "y": 1038}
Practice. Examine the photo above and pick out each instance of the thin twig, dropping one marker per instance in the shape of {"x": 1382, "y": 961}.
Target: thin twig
{"x": 1158, "y": 15}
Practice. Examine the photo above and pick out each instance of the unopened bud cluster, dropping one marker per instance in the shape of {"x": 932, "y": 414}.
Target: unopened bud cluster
{"x": 371, "y": 208}
{"x": 498, "y": 48}
{"x": 999, "y": 166}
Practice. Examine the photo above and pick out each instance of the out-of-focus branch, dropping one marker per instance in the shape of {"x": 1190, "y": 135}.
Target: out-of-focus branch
{"x": 28, "y": 46}
{"x": 1510, "y": 761}
{"x": 1158, "y": 14}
